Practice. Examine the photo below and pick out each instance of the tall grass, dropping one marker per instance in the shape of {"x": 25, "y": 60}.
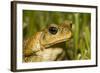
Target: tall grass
{"x": 79, "y": 46}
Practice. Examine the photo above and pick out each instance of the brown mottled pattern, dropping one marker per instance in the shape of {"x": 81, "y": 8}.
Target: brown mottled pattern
{"x": 37, "y": 48}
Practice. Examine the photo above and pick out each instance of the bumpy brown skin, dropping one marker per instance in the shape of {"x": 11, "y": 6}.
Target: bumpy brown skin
{"x": 37, "y": 48}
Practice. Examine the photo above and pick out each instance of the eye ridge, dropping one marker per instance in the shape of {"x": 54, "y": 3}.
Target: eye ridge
{"x": 53, "y": 30}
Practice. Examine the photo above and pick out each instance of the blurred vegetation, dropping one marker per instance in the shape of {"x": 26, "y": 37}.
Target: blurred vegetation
{"x": 79, "y": 46}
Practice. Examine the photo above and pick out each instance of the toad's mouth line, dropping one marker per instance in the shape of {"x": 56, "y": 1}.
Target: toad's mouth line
{"x": 54, "y": 43}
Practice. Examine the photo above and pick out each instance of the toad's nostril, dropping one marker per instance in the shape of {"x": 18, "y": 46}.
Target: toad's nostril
{"x": 53, "y": 30}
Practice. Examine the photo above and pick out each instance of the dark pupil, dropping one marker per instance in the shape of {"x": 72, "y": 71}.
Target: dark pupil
{"x": 53, "y": 30}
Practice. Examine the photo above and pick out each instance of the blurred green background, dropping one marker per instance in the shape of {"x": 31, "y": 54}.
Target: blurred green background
{"x": 78, "y": 48}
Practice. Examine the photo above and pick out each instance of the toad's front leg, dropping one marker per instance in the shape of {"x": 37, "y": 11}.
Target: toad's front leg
{"x": 49, "y": 54}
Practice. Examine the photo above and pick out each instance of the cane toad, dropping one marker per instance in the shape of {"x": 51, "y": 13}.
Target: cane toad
{"x": 38, "y": 47}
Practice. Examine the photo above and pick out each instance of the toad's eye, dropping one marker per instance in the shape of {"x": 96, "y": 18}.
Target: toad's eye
{"x": 53, "y": 30}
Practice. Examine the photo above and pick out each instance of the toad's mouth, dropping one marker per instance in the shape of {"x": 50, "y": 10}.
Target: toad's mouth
{"x": 55, "y": 43}
{"x": 47, "y": 42}
{"x": 58, "y": 41}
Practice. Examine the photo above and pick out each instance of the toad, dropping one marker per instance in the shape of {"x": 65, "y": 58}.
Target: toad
{"x": 38, "y": 48}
